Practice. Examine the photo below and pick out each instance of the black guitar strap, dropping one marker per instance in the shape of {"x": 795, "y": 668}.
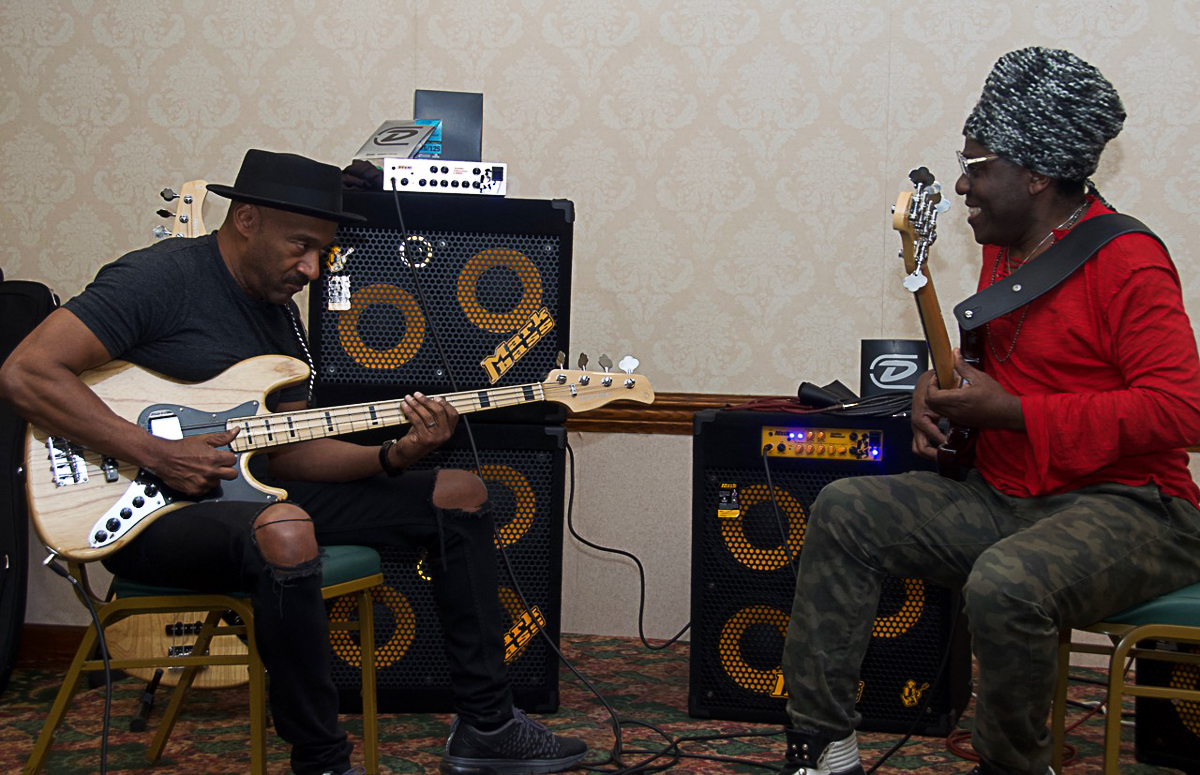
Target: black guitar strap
{"x": 1034, "y": 278}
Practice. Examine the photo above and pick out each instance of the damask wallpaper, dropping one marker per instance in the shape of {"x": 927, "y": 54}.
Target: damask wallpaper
{"x": 732, "y": 162}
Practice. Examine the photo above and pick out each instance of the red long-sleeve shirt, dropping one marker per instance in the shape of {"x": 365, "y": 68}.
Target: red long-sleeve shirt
{"x": 1108, "y": 375}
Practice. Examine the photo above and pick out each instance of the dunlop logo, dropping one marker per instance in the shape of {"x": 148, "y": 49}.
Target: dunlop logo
{"x": 523, "y": 629}
{"x": 509, "y": 352}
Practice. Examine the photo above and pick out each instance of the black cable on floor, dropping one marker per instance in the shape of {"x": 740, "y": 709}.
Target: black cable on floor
{"x": 53, "y": 565}
{"x": 621, "y": 552}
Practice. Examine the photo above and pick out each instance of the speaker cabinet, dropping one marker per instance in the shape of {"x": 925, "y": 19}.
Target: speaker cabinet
{"x": 745, "y": 545}
{"x": 492, "y": 285}
{"x": 523, "y": 466}
{"x": 1167, "y": 732}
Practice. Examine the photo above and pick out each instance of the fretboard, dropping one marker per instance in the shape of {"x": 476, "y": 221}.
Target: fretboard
{"x": 272, "y": 430}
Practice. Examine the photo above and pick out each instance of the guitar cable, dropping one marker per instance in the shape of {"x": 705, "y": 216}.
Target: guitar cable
{"x": 424, "y": 306}
{"x": 672, "y": 749}
{"x": 884, "y": 405}
{"x": 779, "y": 520}
{"x": 622, "y": 553}
{"x": 615, "y": 755}
{"x": 52, "y": 563}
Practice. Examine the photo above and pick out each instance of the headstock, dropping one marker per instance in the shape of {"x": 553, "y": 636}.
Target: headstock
{"x": 915, "y": 217}
{"x": 189, "y": 219}
{"x": 582, "y": 390}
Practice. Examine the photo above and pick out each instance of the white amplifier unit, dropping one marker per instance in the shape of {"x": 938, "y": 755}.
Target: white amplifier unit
{"x": 442, "y": 176}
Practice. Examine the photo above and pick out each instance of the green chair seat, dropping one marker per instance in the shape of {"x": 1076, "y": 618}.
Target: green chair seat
{"x": 339, "y": 564}
{"x": 1180, "y": 608}
{"x": 348, "y": 571}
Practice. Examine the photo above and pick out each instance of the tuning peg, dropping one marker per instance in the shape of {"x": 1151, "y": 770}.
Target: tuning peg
{"x": 164, "y": 213}
{"x": 560, "y": 359}
{"x": 168, "y": 194}
{"x": 628, "y": 364}
{"x": 161, "y": 231}
{"x": 583, "y": 361}
{"x": 921, "y": 176}
{"x": 605, "y": 363}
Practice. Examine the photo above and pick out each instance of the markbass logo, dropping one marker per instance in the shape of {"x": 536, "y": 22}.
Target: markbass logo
{"x": 524, "y": 628}
{"x": 514, "y": 348}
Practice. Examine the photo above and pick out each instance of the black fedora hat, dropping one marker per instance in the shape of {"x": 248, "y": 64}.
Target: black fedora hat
{"x": 285, "y": 181}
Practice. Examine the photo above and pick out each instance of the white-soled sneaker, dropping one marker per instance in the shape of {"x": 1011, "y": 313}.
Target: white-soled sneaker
{"x": 839, "y": 757}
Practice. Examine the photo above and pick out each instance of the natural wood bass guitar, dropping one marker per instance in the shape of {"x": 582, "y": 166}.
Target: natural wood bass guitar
{"x": 69, "y": 485}
{"x": 915, "y": 217}
{"x": 174, "y": 633}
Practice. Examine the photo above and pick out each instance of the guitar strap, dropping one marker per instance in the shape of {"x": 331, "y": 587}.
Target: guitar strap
{"x": 1034, "y": 278}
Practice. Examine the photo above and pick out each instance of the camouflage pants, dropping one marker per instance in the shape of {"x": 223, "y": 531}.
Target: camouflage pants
{"x": 1027, "y": 566}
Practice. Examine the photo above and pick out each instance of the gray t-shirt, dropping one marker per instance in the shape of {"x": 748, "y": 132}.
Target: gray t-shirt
{"x": 174, "y": 308}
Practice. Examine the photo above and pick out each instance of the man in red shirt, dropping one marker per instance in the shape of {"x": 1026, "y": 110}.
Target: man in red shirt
{"x": 1081, "y": 503}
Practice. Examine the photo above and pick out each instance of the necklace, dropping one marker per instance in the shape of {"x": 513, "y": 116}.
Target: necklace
{"x": 1006, "y": 255}
{"x": 312, "y": 369}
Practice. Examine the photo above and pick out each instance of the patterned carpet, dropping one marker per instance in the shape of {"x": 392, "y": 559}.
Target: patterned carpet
{"x": 647, "y": 686}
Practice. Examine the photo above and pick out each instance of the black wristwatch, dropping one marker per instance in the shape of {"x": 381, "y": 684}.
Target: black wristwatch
{"x": 386, "y": 464}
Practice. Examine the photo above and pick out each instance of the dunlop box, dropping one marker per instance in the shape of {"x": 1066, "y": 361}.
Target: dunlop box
{"x": 743, "y": 580}
{"x": 492, "y": 283}
{"x": 523, "y": 466}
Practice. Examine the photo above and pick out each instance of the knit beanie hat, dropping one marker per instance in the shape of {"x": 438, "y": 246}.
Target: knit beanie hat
{"x": 1048, "y": 111}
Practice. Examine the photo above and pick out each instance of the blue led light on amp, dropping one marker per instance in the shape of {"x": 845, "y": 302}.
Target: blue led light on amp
{"x": 842, "y": 444}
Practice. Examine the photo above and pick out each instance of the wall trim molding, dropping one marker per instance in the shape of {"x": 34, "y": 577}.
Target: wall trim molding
{"x": 671, "y": 413}
{"x": 49, "y": 646}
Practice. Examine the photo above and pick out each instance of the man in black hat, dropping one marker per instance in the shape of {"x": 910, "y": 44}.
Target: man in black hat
{"x": 1080, "y": 503}
{"x": 191, "y": 308}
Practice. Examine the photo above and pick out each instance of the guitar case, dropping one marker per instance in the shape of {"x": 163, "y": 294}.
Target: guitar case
{"x": 23, "y": 304}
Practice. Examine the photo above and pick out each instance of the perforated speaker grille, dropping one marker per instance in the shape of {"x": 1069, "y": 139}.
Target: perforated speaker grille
{"x": 1167, "y": 731}
{"x": 523, "y": 469}
{"x": 744, "y": 581}
{"x": 481, "y": 288}
{"x": 493, "y": 278}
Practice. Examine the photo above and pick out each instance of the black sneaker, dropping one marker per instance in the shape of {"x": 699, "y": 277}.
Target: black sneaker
{"x": 520, "y": 747}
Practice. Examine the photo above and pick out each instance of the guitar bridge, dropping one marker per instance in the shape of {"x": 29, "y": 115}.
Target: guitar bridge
{"x": 67, "y": 465}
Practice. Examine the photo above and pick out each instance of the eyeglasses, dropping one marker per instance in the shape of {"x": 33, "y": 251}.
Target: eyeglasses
{"x": 965, "y": 164}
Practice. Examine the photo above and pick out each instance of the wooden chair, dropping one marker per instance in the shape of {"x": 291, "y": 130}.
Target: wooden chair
{"x": 1171, "y": 619}
{"x": 347, "y": 570}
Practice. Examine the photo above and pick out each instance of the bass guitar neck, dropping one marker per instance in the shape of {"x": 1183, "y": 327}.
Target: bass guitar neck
{"x": 915, "y": 218}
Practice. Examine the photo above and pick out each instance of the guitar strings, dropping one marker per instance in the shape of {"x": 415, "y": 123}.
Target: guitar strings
{"x": 305, "y": 421}
{"x": 371, "y": 415}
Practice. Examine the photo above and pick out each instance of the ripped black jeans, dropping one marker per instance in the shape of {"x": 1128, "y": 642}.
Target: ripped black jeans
{"x": 208, "y": 547}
